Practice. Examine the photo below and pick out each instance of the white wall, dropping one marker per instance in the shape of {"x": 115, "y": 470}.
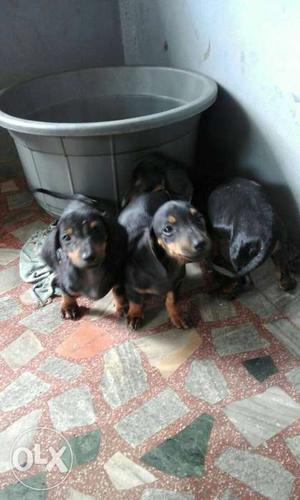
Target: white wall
{"x": 252, "y": 49}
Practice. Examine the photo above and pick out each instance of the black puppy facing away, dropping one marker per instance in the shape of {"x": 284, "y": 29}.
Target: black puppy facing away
{"x": 246, "y": 230}
{"x": 163, "y": 236}
{"x": 87, "y": 251}
{"x": 157, "y": 172}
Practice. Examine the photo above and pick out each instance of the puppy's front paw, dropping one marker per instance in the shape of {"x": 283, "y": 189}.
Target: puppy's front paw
{"x": 121, "y": 311}
{"x": 121, "y": 303}
{"x": 178, "y": 321}
{"x": 70, "y": 311}
{"x": 134, "y": 322}
{"x": 174, "y": 313}
{"x": 135, "y": 315}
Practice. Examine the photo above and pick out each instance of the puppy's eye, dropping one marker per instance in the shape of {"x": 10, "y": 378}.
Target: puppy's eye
{"x": 168, "y": 229}
{"x": 95, "y": 229}
{"x": 66, "y": 237}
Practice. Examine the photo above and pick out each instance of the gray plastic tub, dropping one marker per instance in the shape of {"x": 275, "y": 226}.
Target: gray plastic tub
{"x": 83, "y": 131}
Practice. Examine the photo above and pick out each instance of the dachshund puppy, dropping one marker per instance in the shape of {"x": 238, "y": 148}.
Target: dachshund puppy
{"x": 87, "y": 251}
{"x": 245, "y": 231}
{"x": 157, "y": 172}
{"x": 163, "y": 236}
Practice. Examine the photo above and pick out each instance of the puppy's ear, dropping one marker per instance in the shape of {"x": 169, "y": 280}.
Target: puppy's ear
{"x": 154, "y": 241}
{"x": 50, "y": 247}
{"x": 152, "y": 235}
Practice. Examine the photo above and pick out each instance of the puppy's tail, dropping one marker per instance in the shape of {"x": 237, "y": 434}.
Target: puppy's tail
{"x": 250, "y": 256}
{"x": 76, "y": 196}
{"x": 105, "y": 207}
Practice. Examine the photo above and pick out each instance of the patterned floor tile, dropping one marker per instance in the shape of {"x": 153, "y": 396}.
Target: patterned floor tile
{"x": 278, "y": 297}
{"x": 264, "y": 274}
{"x": 294, "y": 446}
{"x": 79, "y": 400}
{"x": 17, "y": 431}
{"x": 154, "y": 317}
{"x": 22, "y": 391}
{"x": 44, "y": 320}
{"x": 205, "y": 381}
{"x": 158, "y": 361}
{"x": 287, "y": 334}
{"x": 257, "y": 472}
{"x": 262, "y": 416}
{"x": 87, "y": 341}
{"x": 8, "y": 186}
{"x": 159, "y": 494}
{"x": 84, "y": 448}
{"x": 293, "y": 377}
{"x": 168, "y": 350}
{"x": 9, "y": 279}
{"x": 19, "y": 200}
{"x": 213, "y": 308}
{"x": 151, "y": 417}
{"x": 26, "y": 230}
{"x": 16, "y": 217}
{"x": 124, "y": 377}
{"x": 29, "y": 298}
{"x": 102, "y": 307}
{"x": 9, "y": 308}
{"x": 8, "y": 255}
{"x": 172, "y": 457}
{"x": 265, "y": 280}
{"x": 125, "y": 474}
{"x": 78, "y": 495}
{"x": 61, "y": 368}
{"x": 35, "y": 489}
{"x": 228, "y": 495}
{"x": 21, "y": 350}
{"x": 292, "y": 310}
{"x": 257, "y": 303}
{"x": 232, "y": 340}
{"x": 260, "y": 368}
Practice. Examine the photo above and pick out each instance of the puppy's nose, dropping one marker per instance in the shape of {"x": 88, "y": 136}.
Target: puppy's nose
{"x": 199, "y": 245}
{"x": 88, "y": 256}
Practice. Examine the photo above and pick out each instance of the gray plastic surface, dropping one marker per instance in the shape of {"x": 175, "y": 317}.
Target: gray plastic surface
{"x": 82, "y": 131}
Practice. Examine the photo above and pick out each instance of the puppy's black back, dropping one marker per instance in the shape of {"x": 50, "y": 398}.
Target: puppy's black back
{"x": 240, "y": 212}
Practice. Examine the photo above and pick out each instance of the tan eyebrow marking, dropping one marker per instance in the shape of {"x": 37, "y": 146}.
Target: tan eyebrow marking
{"x": 93, "y": 224}
{"x": 171, "y": 219}
{"x": 69, "y": 231}
{"x": 193, "y": 211}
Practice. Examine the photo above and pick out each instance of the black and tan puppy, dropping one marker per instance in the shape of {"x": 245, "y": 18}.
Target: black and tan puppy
{"x": 87, "y": 251}
{"x": 246, "y": 230}
{"x": 163, "y": 236}
{"x": 157, "y": 172}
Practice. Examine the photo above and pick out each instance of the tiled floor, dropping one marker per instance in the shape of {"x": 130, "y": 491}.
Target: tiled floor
{"x": 159, "y": 414}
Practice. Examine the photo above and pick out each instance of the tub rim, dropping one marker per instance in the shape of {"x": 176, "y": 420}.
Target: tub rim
{"x": 112, "y": 127}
